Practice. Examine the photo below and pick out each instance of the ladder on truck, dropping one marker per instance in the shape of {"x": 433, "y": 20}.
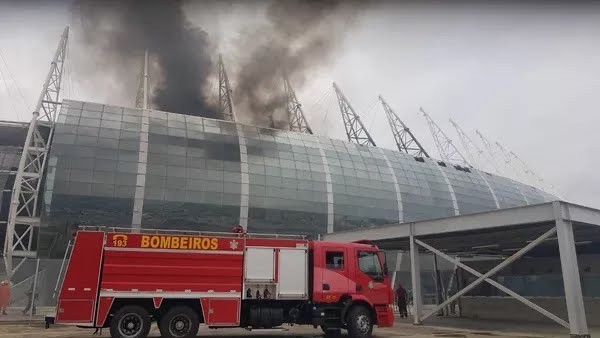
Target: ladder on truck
{"x": 66, "y": 257}
{"x": 187, "y": 232}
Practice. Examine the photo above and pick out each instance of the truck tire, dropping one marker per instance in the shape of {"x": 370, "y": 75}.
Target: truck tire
{"x": 179, "y": 322}
{"x": 359, "y": 322}
{"x": 130, "y": 321}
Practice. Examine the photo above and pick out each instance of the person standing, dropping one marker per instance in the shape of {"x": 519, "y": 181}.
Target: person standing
{"x": 401, "y": 300}
{"x": 4, "y": 296}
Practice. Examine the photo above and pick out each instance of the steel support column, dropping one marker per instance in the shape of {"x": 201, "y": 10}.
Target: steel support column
{"x": 397, "y": 267}
{"x": 570, "y": 273}
{"x": 415, "y": 271}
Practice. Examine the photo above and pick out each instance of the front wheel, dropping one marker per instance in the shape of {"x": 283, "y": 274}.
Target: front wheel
{"x": 359, "y": 322}
{"x": 179, "y": 322}
{"x": 130, "y": 321}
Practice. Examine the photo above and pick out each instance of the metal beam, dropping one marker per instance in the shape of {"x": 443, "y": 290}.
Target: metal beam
{"x": 405, "y": 140}
{"x": 355, "y": 130}
{"x": 225, "y": 102}
{"x": 570, "y": 272}
{"x": 496, "y": 284}
{"x": 533, "y": 214}
{"x": 20, "y": 230}
{"x": 297, "y": 120}
{"x": 448, "y": 151}
{"x": 492, "y": 272}
{"x": 415, "y": 271}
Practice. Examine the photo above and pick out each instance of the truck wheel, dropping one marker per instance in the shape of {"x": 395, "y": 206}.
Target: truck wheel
{"x": 131, "y": 321}
{"x": 331, "y": 332}
{"x": 179, "y": 322}
{"x": 359, "y": 322}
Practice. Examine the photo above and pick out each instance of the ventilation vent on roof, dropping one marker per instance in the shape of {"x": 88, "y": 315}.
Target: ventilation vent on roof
{"x": 443, "y": 164}
{"x": 419, "y": 159}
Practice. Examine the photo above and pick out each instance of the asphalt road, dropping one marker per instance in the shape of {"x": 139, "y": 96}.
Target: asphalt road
{"x": 399, "y": 330}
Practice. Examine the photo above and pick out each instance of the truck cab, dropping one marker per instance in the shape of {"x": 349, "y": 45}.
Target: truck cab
{"x": 351, "y": 275}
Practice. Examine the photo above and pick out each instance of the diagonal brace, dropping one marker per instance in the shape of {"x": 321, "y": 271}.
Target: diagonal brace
{"x": 492, "y": 272}
{"x": 497, "y": 285}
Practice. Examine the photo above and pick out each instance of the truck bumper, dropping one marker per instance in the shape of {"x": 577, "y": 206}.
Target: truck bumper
{"x": 385, "y": 315}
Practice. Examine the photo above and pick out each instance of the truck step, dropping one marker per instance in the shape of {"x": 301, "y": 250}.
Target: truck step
{"x": 275, "y": 329}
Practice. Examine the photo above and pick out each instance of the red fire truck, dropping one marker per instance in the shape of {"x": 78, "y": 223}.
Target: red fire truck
{"x": 124, "y": 280}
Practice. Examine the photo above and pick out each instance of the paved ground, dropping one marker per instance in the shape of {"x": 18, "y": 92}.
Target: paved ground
{"x": 399, "y": 330}
{"x": 16, "y": 325}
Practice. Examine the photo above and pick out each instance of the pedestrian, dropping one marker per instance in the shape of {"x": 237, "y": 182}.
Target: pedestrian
{"x": 4, "y": 296}
{"x": 401, "y": 300}
{"x": 31, "y": 296}
{"x": 266, "y": 293}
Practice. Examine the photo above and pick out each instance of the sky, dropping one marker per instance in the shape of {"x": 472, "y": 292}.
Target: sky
{"x": 526, "y": 75}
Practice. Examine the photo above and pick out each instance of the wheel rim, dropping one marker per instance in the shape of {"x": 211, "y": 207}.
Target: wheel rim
{"x": 180, "y": 325}
{"x": 363, "y": 323}
{"x": 130, "y": 325}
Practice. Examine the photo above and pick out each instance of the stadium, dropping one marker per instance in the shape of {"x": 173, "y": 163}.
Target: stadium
{"x": 82, "y": 164}
{"x": 193, "y": 173}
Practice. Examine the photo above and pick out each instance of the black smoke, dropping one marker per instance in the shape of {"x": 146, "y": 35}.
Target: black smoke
{"x": 118, "y": 32}
{"x": 298, "y": 37}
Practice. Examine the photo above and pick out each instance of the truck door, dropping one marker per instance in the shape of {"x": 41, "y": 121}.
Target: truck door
{"x": 370, "y": 280}
{"x": 335, "y": 280}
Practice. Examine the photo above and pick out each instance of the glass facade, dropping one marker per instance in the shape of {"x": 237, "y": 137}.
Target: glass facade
{"x": 12, "y": 138}
{"x": 120, "y": 166}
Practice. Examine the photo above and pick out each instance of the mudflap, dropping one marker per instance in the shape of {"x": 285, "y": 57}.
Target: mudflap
{"x": 385, "y": 315}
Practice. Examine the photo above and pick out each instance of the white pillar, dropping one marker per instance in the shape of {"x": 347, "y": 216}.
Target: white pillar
{"x": 415, "y": 271}
{"x": 570, "y": 273}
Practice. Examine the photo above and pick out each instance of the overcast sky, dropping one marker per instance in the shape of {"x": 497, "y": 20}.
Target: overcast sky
{"x": 527, "y": 76}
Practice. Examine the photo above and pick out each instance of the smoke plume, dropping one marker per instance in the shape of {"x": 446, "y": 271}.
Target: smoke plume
{"x": 298, "y": 37}
{"x": 120, "y": 31}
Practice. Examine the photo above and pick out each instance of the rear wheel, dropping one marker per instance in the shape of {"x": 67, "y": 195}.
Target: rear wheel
{"x": 131, "y": 321}
{"x": 359, "y": 322}
{"x": 179, "y": 322}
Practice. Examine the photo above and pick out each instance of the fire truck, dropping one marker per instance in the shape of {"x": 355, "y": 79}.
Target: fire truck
{"x": 124, "y": 280}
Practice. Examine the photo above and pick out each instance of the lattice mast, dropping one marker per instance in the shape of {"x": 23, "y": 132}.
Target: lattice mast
{"x": 448, "y": 151}
{"x": 225, "y": 102}
{"x": 355, "y": 130}
{"x": 542, "y": 184}
{"x": 405, "y": 140}
{"x": 141, "y": 99}
{"x": 522, "y": 174}
{"x": 24, "y": 216}
{"x": 298, "y": 122}
{"x": 475, "y": 154}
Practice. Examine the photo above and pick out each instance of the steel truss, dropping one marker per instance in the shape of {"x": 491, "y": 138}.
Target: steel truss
{"x": 564, "y": 232}
{"x": 24, "y": 215}
{"x": 405, "y": 140}
{"x": 448, "y": 151}
{"x": 225, "y": 105}
{"x": 296, "y": 116}
{"x": 141, "y": 99}
{"x": 355, "y": 130}
{"x": 475, "y": 154}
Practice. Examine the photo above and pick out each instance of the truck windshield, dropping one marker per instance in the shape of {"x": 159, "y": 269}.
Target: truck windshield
{"x": 368, "y": 262}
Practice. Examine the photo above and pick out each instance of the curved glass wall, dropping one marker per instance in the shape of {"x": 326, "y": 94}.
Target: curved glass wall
{"x": 128, "y": 167}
